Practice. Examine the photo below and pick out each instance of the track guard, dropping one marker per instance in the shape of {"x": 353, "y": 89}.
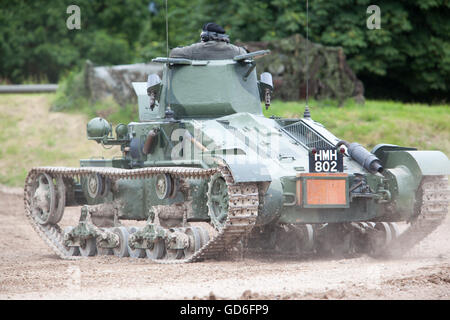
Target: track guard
{"x": 271, "y": 192}
{"x": 420, "y": 163}
{"x": 244, "y": 170}
{"x": 405, "y": 168}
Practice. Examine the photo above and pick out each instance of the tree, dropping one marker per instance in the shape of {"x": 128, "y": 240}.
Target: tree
{"x": 411, "y": 51}
{"x": 408, "y": 58}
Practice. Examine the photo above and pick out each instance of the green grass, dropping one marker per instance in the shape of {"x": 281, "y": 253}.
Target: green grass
{"x": 107, "y": 109}
{"x": 416, "y": 125}
{"x": 32, "y": 136}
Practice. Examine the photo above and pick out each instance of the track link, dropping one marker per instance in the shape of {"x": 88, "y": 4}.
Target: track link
{"x": 242, "y": 213}
{"x": 432, "y": 206}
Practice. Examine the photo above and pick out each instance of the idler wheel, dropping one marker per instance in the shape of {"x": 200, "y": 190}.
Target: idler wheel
{"x": 88, "y": 247}
{"x": 122, "y": 250}
{"x": 43, "y": 203}
{"x": 135, "y": 253}
{"x": 217, "y": 200}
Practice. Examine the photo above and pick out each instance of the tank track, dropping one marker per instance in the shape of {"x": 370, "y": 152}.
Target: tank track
{"x": 242, "y": 206}
{"x": 432, "y": 206}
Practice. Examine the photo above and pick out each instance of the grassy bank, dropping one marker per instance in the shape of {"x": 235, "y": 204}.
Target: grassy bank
{"x": 31, "y": 136}
{"x": 415, "y": 125}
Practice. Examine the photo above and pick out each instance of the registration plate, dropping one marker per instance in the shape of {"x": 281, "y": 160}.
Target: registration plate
{"x": 326, "y": 160}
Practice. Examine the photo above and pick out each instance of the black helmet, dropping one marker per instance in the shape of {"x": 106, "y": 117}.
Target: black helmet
{"x": 212, "y": 31}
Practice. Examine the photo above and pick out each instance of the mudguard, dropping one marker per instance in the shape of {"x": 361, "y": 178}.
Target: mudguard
{"x": 405, "y": 169}
{"x": 421, "y": 163}
{"x": 244, "y": 170}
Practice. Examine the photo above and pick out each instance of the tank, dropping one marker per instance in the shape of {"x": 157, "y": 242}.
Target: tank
{"x": 203, "y": 172}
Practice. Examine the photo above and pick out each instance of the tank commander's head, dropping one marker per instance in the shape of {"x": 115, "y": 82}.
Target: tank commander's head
{"x": 213, "y": 32}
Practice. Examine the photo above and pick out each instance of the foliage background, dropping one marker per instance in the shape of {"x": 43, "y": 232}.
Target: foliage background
{"x": 407, "y": 59}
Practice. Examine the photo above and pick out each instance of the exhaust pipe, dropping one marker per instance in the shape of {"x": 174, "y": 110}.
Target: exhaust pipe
{"x": 358, "y": 153}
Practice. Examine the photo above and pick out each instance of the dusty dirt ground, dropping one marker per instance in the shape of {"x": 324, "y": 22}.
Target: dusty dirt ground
{"x": 29, "y": 270}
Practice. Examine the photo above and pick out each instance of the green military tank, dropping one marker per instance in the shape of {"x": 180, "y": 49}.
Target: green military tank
{"x": 203, "y": 172}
